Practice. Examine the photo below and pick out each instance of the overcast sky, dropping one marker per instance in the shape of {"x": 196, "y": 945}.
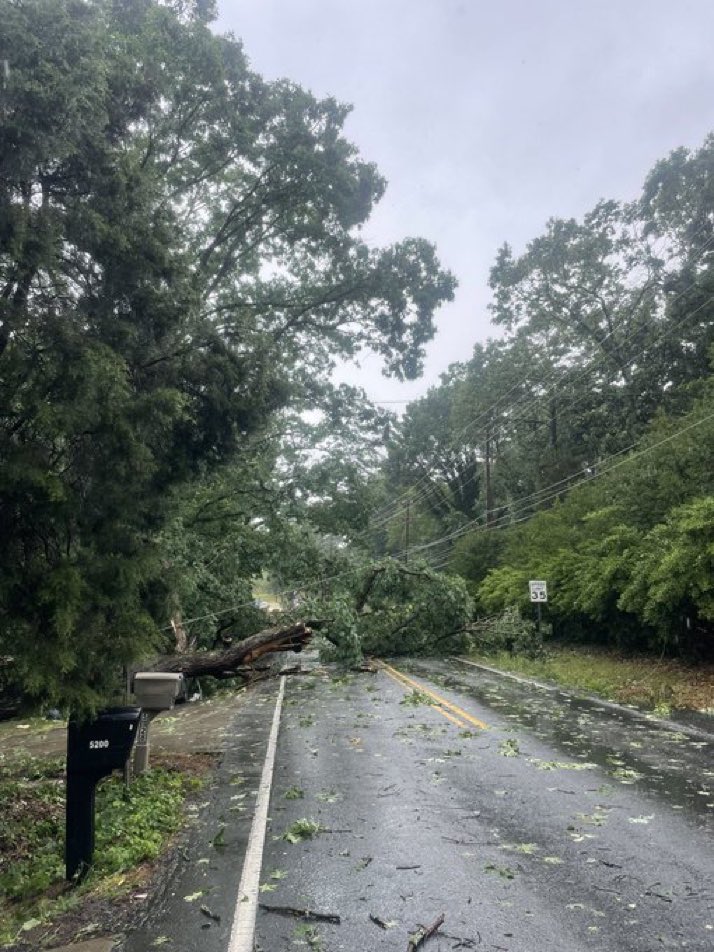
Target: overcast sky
{"x": 487, "y": 118}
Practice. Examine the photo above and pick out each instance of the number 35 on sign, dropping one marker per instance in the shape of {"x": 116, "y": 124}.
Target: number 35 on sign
{"x": 539, "y": 591}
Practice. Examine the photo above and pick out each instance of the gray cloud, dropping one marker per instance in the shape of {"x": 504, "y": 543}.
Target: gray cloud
{"x": 489, "y": 118}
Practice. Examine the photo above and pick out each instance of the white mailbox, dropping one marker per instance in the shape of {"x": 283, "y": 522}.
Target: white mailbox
{"x": 156, "y": 691}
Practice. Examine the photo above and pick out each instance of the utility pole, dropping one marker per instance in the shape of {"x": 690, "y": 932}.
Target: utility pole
{"x": 406, "y": 531}
{"x": 5, "y": 78}
{"x": 489, "y": 488}
{"x": 553, "y": 425}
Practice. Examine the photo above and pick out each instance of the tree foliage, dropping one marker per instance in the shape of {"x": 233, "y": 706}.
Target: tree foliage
{"x": 388, "y": 608}
{"x": 604, "y": 364}
{"x": 628, "y": 557}
{"x": 180, "y": 263}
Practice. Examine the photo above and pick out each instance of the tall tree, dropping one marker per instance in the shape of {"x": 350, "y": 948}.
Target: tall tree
{"x": 677, "y": 206}
{"x": 179, "y": 254}
{"x": 591, "y": 291}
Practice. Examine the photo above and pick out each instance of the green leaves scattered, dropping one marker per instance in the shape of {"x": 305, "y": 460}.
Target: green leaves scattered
{"x": 509, "y": 748}
{"x": 527, "y": 849}
{"x": 293, "y": 793}
{"x": 626, "y": 775}
{"x": 560, "y": 764}
{"x": 505, "y": 872}
{"x": 309, "y": 936}
{"x": 301, "y": 830}
{"x": 329, "y": 796}
{"x": 415, "y": 699}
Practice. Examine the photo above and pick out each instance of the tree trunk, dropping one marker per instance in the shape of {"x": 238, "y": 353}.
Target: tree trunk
{"x": 236, "y": 659}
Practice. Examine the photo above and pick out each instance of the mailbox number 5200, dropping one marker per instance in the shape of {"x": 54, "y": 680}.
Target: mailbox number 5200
{"x": 98, "y": 744}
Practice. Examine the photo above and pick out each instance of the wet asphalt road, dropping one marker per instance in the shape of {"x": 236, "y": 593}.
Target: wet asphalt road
{"x": 565, "y": 825}
{"x": 194, "y": 910}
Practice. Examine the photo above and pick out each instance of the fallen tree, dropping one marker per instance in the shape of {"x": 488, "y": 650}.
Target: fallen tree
{"x": 238, "y": 659}
{"x": 388, "y": 608}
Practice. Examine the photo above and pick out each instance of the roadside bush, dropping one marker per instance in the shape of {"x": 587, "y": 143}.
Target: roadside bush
{"x": 510, "y": 632}
{"x": 132, "y": 827}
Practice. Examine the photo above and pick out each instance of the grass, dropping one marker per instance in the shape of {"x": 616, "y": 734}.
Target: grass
{"x": 132, "y": 830}
{"x": 19, "y": 727}
{"x": 661, "y": 686}
{"x": 263, "y": 590}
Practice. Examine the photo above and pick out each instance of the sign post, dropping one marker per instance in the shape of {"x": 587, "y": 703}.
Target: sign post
{"x": 539, "y": 594}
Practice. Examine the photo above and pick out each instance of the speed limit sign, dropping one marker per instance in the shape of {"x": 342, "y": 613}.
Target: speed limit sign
{"x": 539, "y": 591}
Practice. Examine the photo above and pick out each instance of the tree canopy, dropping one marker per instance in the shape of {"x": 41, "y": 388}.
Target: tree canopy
{"x": 581, "y": 437}
{"x": 180, "y": 265}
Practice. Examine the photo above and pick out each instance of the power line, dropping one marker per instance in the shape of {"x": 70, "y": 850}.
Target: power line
{"x": 506, "y": 519}
{"x": 520, "y": 418}
{"x": 603, "y": 356}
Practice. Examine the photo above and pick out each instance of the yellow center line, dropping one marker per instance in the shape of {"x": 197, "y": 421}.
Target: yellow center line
{"x": 441, "y": 701}
{"x": 397, "y": 676}
{"x": 450, "y": 717}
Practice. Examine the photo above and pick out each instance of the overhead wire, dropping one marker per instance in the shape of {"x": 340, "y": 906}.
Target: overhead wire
{"x": 561, "y": 483}
{"x": 532, "y": 401}
{"x": 507, "y": 521}
{"x": 511, "y": 421}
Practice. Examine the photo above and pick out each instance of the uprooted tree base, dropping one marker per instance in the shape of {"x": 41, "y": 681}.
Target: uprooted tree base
{"x": 237, "y": 660}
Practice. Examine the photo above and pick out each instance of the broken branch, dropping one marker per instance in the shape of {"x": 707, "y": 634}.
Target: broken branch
{"x": 309, "y": 915}
{"x": 425, "y": 932}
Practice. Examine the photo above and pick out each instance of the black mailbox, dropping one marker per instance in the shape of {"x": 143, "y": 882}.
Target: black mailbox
{"x": 94, "y": 749}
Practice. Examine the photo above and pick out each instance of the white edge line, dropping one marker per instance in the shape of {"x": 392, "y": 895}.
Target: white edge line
{"x": 243, "y": 929}
{"x": 514, "y": 677}
{"x": 597, "y": 701}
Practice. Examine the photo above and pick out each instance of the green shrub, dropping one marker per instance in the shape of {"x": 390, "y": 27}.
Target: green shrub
{"x": 510, "y": 632}
{"x": 132, "y": 827}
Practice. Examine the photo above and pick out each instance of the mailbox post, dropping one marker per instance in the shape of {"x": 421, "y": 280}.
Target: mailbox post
{"x": 94, "y": 749}
{"x": 155, "y": 691}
